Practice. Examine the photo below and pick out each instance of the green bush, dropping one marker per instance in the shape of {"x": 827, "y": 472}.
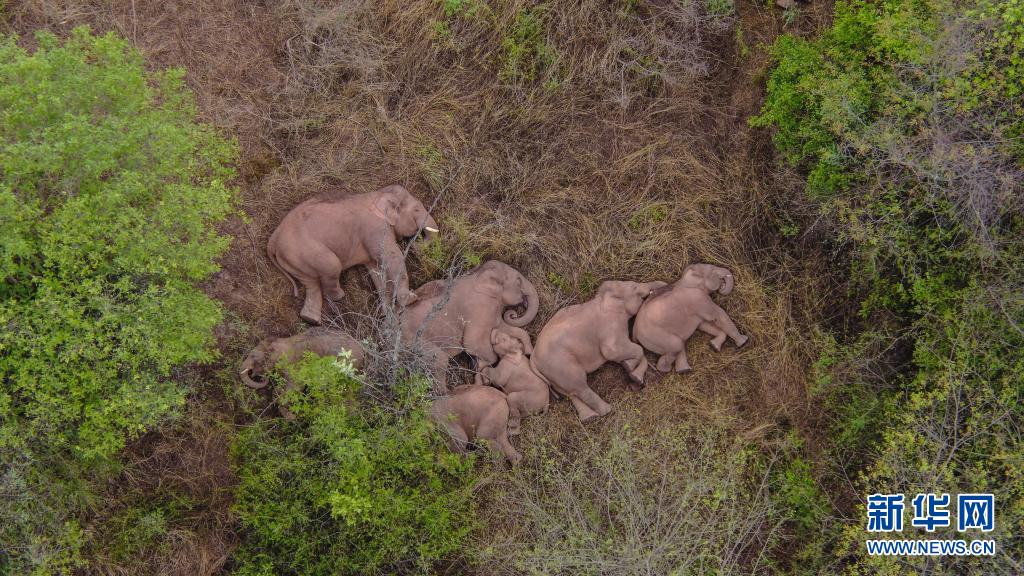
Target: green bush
{"x": 352, "y": 486}
{"x": 109, "y": 195}
{"x": 904, "y": 116}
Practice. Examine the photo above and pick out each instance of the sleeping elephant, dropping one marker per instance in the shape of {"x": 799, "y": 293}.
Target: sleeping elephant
{"x": 319, "y": 239}
{"x": 528, "y": 394}
{"x": 579, "y": 339}
{"x": 267, "y": 354}
{"x": 476, "y": 413}
{"x": 668, "y": 319}
{"x": 450, "y": 317}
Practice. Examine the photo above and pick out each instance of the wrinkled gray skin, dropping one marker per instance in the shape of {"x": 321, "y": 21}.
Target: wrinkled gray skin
{"x": 445, "y": 320}
{"x": 527, "y": 392}
{"x": 580, "y": 338}
{"x": 319, "y": 239}
{"x": 475, "y": 413}
{"x": 667, "y": 319}
{"x": 267, "y": 354}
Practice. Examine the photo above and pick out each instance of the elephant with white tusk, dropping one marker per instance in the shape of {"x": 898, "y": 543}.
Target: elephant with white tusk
{"x": 451, "y": 317}
{"x": 579, "y": 339}
{"x": 668, "y": 319}
{"x": 319, "y": 239}
{"x": 267, "y": 354}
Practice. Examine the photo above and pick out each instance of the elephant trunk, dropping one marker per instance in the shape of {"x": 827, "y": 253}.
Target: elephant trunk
{"x": 430, "y": 228}
{"x": 727, "y": 282}
{"x": 246, "y": 374}
{"x": 532, "y": 306}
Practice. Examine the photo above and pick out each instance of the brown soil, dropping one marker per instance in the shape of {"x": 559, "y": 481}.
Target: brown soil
{"x": 597, "y": 169}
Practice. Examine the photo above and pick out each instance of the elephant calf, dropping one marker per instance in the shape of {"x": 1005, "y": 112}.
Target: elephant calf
{"x": 667, "y": 320}
{"x": 527, "y": 392}
{"x": 476, "y": 413}
{"x": 268, "y": 353}
{"x": 319, "y": 239}
{"x": 580, "y": 338}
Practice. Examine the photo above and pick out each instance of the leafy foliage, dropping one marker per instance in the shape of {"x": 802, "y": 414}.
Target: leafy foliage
{"x": 353, "y": 486}
{"x": 904, "y": 115}
{"x": 109, "y": 194}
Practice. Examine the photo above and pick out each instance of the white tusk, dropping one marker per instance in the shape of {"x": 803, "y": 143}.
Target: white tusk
{"x": 429, "y": 229}
{"x": 245, "y": 371}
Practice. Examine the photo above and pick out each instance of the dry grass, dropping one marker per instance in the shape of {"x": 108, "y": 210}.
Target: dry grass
{"x": 626, "y": 156}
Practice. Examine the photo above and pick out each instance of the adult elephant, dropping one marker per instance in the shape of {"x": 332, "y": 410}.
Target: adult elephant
{"x": 319, "y": 239}
{"x": 449, "y": 317}
{"x": 580, "y": 338}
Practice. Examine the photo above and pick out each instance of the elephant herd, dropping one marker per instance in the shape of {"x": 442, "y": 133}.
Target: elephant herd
{"x": 479, "y": 313}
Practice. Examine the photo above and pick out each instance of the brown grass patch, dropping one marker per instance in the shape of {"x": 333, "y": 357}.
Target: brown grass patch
{"x": 616, "y": 148}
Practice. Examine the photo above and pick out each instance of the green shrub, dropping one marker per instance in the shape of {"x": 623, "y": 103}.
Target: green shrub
{"x": 352, "y": 486}
{"x": 109, "y": 194}
{"x": 903, "y": 115}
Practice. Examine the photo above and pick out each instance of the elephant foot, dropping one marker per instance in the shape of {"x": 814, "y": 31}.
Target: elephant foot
{"x": 584, "y": 418}
{"x": 665, "y": 363}
{"x": 311, "y": 311}
{"x": 310, "y": 318}
{"x": 335, "y": 294}
{"x": 683, "y": 367}
{"x": 406, "y": 298}
{"x": 742, "y": 341}
{"x": 634, "y": 387}
{"x": 717, "y": 342}
{"x": 605, "y": 410}
{"x": 638, "y": 374}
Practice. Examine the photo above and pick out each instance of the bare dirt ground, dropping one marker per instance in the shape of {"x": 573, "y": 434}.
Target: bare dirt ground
{"x": 626, "y": 156}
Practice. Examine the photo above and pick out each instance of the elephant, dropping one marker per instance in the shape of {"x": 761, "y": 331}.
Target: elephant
{"x": 268, "y": 353}
{"x": 319, "y": 239}
{"x": 580, "y": 338}
{"x": 476, "y": 413}
{"x": 667, "y": 320}
{"x": 451, "y": 316}
{"x": 526, "y": 390}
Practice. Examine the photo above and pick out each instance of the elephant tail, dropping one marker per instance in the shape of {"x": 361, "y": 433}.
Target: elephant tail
{"x": 533, "y": 366}
{"x": 272, "y": 254}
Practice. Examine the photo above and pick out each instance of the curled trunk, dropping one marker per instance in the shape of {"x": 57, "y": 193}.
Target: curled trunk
{"x": 532, "y": 305}
{"x": 727, "y": 282}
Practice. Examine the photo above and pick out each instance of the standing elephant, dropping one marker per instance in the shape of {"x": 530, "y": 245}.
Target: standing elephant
{"x": 268, "y": 353}
{"x": 476, "y": 413}
{"x": 319, "y": 239}
{"x": 580, "y": 338}
{"x": 449, "y": 317}
{"x": 668, "y": 319}
{"x": 527, "y": 391}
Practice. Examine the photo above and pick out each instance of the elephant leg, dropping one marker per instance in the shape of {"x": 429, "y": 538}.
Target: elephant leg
{"x": 722, "y": 320}
{"x": 506, "y": 447}
{"x": 312, "y": 308}
{"x": 597, "y": 404}
{"x": 629, "y": 354}
{"x": 583, "y": 412}
{"x": 458, "y": 441}
{"x": 717, "y": 334}
{"x": 515, "y": 401}
{"x": 397, "y": 284}
{"x": 682, "y": 363}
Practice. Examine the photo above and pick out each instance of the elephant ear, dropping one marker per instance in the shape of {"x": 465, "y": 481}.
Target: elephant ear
{"x": 488, "y": 283}
{"x": 610, "y": 299}
{"x": 388, "y": 206}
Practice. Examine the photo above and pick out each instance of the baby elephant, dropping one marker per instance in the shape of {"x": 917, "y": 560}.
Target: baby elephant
{"x": 527, "y": 392}
{"x": 668, "y": 319}
{"x": 476, "y": 413}
{"x": 269, "y": 352}
{"x": 579, "y": 339}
